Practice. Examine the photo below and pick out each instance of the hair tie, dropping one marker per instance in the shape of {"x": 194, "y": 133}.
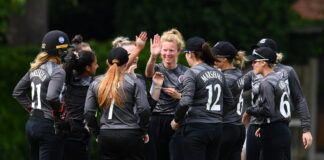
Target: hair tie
{"x": 115, "y": 61}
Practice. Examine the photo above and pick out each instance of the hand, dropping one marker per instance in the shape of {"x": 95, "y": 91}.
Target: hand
{"x": 61, "y": 127}
{"x": 132, "y": 68}
{"x": 307, "y": 139}
{"x": 141, "y": 40}
{"x": 174, "y": 125}
{"x": 155, "y": 45}
{"x": 146, "y": 138}
{"x": 158, "y": 78}
{"x": 172, "y": 93}
{"x": 258, "y": 132}
{"x": 246, "y": 119}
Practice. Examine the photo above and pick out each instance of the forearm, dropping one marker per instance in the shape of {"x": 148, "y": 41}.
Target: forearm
{"x": 133, "y": 56}
{"x": 149, "y": 70}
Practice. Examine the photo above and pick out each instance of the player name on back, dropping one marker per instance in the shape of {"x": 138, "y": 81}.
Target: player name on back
{"x": 211, "y": 75}
{"x": 38, "y": 73}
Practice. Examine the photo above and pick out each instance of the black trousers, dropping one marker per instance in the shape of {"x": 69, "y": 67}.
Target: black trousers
{"x": 44, "y": 144}
{"x": 121, "y": 144}
{"x": 232, "y": 142}
{"x": 176, "y": 145}
{"x": 202, "y": 141}
{"x": 253, "y": 144}
{"x": 160, "y": 132}
{"x": 275, "y": 141}
{"x": 77, "y": 143}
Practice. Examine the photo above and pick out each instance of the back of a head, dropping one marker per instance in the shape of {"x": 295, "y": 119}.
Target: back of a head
{"x": 78, "y": 43}
{"x": 173, "y": 35}
{"x": 53, "y": 41}
{"x": 200, "y": 49}
{"x": 122, "y": 41}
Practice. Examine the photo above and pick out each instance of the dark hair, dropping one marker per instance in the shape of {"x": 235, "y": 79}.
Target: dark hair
{"x": 78, "y": 61}
{"x": 78, "y": 43}
{"x": 205, "y": 54}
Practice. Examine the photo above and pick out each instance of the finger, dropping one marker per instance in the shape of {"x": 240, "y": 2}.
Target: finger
{"x": 151, "y": 41}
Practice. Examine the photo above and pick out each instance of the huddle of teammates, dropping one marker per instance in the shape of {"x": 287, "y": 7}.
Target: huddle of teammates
{"x": 207, "y": 111}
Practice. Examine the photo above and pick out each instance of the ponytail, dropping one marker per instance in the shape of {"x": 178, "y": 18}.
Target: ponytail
{"x": 279, "y": 57}
{"x": 108, "y": 88}
{"x": 42, "y": 58}
{"x": 207, "y": 56}
{"x": 239, "y": 59}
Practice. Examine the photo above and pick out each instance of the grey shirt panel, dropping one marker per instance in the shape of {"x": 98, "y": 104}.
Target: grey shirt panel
{"x": 297, "y": 96}
{"x": 252, "y": 82}
{"x": 173, "y": 78}
{"x": 46, "y": 84}
{"x": 234, "y": 115}
{"x": 133, "y": 115}
{"x": 274, "y": 102}
{"x": 204, "y": 95}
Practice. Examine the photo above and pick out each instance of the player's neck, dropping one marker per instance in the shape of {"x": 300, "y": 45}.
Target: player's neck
{"x": 266, "y": 71}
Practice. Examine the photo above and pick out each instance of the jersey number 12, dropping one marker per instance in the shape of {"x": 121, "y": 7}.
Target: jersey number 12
{"x": 213, "y": 105}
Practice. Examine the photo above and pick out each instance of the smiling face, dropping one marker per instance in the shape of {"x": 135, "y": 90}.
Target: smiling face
{"x": 169, "y": 52}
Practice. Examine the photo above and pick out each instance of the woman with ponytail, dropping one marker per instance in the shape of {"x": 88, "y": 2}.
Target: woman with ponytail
{"x": 205, "y": 92}
{"x": 125, "y": 110}
{"x": 169, "y": 45}
{"x": 227, "y": 57}
{"x": 80, "y": 67}
{"x": 45, "y": 80}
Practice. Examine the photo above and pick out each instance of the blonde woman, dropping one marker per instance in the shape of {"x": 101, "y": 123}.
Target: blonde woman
{"x": 45, "y": 80}
{"x": 169, "y": 46}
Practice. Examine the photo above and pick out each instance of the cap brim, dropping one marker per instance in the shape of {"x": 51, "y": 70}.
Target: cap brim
{"x": 251, "y": 58}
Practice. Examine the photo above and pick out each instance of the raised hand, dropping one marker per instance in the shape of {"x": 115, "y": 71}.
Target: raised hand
{"x": 158, "y": 79}
{"x": 155, "y": 45}
{"x": 141, "y": 40}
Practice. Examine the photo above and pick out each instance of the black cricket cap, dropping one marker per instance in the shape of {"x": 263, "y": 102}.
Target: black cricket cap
{"x": 224, "y": 49}
{"x": 263, "y": 54}
{"x": 194, "y": 44}
{"x": 54, "y": 40}
{"x": 266, "y": 42}
{"x": 118, "y": 55}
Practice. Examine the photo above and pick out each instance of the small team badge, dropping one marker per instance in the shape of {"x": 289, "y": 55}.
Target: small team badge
{"x": 263, "y": 40}
{"x": 181, "y": 78}
{"x": 282, "y": 85}
{"x": 61, "y": 39}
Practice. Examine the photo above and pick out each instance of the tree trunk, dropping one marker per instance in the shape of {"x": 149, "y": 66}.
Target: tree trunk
{"x": 28, "y": 28}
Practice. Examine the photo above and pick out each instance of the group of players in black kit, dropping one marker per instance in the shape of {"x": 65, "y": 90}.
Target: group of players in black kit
{"x": 206, "y": 111}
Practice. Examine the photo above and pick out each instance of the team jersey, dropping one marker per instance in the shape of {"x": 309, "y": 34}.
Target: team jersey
{"x": 45, "y": 84}
{"x": 74, "y": 96}
{"x": 273, "y": 103}
{"x": 252, "y": 82}
{"x": 234, "y": 82}
{"x": 134, "y": 115}
{"x": 204, "y": 94}
{"x": 296, "y": 94}
{"x": 172, "y": 79}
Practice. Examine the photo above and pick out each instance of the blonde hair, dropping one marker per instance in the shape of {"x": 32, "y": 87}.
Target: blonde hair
{"x": 42, "y": 58}
{"x": 239, "y": 59}
{"x": 108, "y": 88}
{"x": 279, "y": 57}
{"x": 173, "y": 35}
{"x": 122, "y": 41}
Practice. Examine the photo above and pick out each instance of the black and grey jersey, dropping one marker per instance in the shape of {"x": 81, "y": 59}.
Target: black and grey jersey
{"x": 274, "y": 102}
{"x": 75, "y": 95}
{"x": 173, "y": 78}
{"x": 204, "y": 94}
{"x": 45, "y": 84}
{"x": 133, "y": 115}
{"x": 233, "y": 80}
{"x": 252, "y": 82}
{"x": 296, "y": 94}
